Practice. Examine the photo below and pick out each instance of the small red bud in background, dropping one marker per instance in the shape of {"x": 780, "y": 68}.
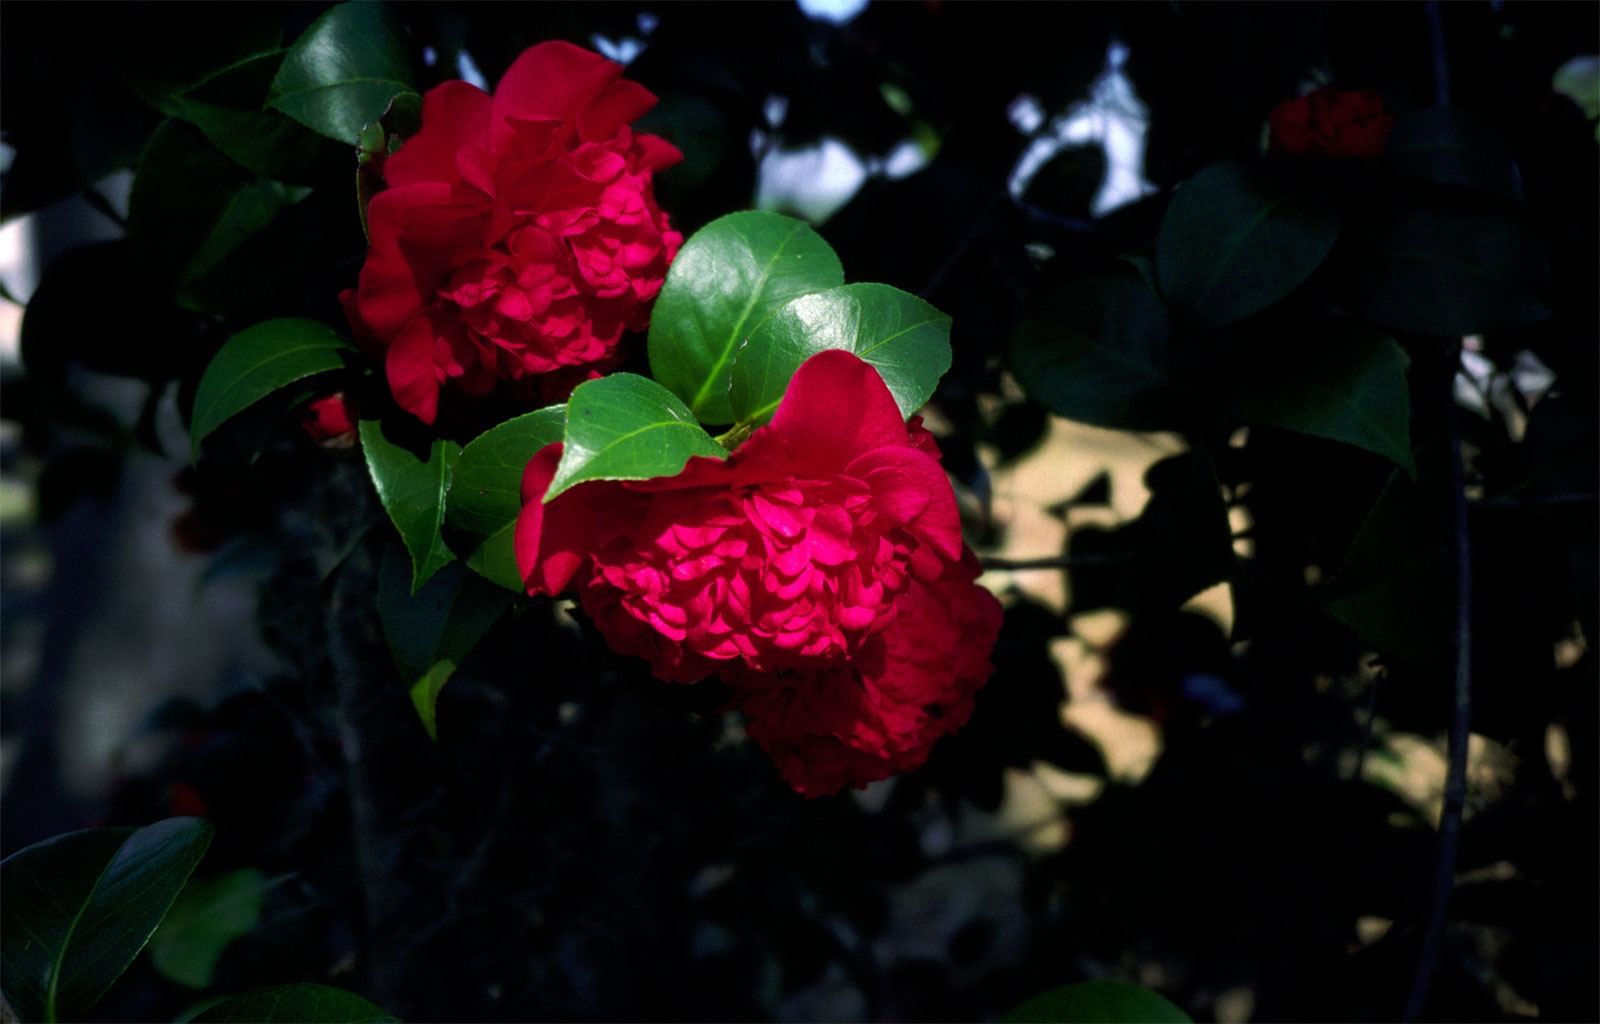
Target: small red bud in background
{"x": 330, "y": 421}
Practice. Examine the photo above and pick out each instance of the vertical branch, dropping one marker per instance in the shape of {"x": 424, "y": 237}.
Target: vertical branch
{"x": 1441, "y": 67}
{"x": 1455, "y": 788}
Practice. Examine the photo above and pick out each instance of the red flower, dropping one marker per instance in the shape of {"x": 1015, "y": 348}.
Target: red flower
{"x": 1330, "y": 123}
{"x": 880, "y": 715}
{"x": 518, "y": 236}
{"x": 787, "y": 554}
{"x": 818, "y": 570}
{"x": 329, "y": 421}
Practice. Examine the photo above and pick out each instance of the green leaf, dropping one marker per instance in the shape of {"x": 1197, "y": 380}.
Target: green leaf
{"x": 1097, "y": 1002}
{"x": 342, "y": 74}
{"x": 1394, "y": 587}
{"x": 627, "y": 427}
{"x": 486, "y": 489}
{"x": 411, "y": 472}
{"x": 208, "y": 914}
{"x": 196, "y": 220}
{"x": 903, "y": 337}
{"x": 425, "y": 695}
{"x": 258, "y": 361}
{"x": 1348, "y": 387}
{"x": 1453, "y": 272}
{"x": 1446, "y": 146}
{"x": 1233, "y": 243}
{"x": 227, "y": 107}
{"x": 432, "y": 631}
{"x": 75, "y": 910}
{"x": 726, "y": 279}
{"x": 300, "y": 1003}
{"x": 1096, "y": 350}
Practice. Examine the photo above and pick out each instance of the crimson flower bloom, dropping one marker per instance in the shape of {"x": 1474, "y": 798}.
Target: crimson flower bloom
{"x": 818, "y": 570}
{"x": 787, "y": 553}
{"x": 518, "y": 236}
{"x": 879, "y": 716}
{"x": 1330, "y": 123}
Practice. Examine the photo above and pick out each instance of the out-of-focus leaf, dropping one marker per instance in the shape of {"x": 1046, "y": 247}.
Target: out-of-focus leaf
{"x": 58, "y": 328}
{"x": 75, "y": 910}
{"x": 726, "y": 279}
{"x": 1579, "y": 80}
{"x": 208, "y": 914}
{"x": 1097, "y": 1002}
{"x": 904, "y": 338}
{"x": 1447, "y": 146}
{"x": 626, "y": 427}
{"x": 1348, "y": 387}
{"x": 1453, "y": 272}
{"x": 258, "y": 361}
{"x": 486, "y": 491}
{"x": 1180, "y": 544}
{"x": 342, "y": 74}
{"x": 1233, "y": 242}
{"x": 1096, "y": 350}
{"x": 300, "y": 1003}
{"x": 194, "y": 213}
{"x": 1394, "y": 585}
{"x": 412, "y": 475}
{"x": 433, "y": 630}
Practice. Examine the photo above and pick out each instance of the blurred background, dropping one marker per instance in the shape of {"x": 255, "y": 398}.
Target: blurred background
{"x": 1195, "y": 767}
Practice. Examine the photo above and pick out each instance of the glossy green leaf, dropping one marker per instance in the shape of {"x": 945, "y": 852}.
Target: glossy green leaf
{"x": 1096, "y": 350}
{"x": 486, "y": 490}
{"x": 208, "y": 914}
{"x": 1348, "y": 387}
{"x": 1232, "y": 243}
{"x": 227, "y": 107}
{"x": 343, "y": 72}
{"x": 433, "y": 630}
{"x": 1097, "y": 1002}
{"x": 258, "y": 361}
{"x": 726, "y": 279}
{"x": 626, "y": 427}
{"x": 904, "y": 338}
{"x": 1453, "y": 272}
{"x": 1447, "y": 146}
{"x": 75, "y": 910}
{"x": 300, "y": 1003}
{"x": 411, "y": 472}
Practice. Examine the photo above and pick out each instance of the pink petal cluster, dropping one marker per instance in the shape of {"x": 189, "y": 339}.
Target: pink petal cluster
{"x": 818, "y": 570}
{"x": 518, "y": 236}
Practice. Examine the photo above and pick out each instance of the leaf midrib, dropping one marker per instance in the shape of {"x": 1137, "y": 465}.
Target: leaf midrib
{"x": 731, "y": 344}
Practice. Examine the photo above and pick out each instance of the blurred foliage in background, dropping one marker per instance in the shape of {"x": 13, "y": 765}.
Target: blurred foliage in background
{"x": 1237, "y": 801}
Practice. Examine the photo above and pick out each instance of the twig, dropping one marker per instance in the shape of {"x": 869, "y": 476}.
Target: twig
{"x": 1058, "y": 562}
{"x": 1441, "y": 67}
{"x": 1535, "y": 500}
{"x": 1455, "y": 786}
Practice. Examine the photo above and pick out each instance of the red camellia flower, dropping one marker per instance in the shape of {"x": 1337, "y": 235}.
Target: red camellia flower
{"x": 1330, "y": 123}
{"x": 518, "y": 235}
{"x": 819, "y": 570}
{"x": 787, "y": 553}
{"x": 880, "y": 715}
